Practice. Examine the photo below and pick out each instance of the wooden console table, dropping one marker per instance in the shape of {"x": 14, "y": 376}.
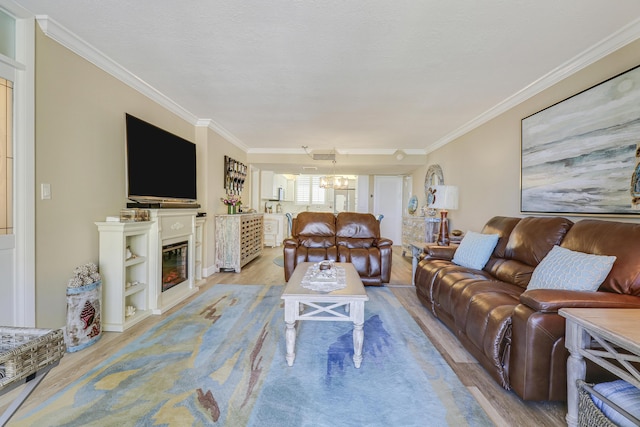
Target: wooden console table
{"x": 602, "y": 335}
{"x": 239, "y": 239}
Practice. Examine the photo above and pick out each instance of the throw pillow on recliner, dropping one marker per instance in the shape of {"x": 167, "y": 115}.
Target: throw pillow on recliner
{"x": 475, "y": 250}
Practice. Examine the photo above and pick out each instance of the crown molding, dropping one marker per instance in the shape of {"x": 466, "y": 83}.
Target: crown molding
{"x": 367, "y": 151}
{"x": 71, "y": 41}
{"x": 16, "y": 10}
{"x": 220, "y": 130}
{"x": 414, "y": 151}
{"x": 617, "y": 40}
{"x": 341, "y": 151}
{"x": 276, "y": 151}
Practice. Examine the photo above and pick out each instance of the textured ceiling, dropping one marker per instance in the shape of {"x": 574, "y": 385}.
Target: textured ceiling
{"x": 352, "y": 75}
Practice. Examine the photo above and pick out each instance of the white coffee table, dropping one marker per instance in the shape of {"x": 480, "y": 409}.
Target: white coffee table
{"x": 304, "y": 304}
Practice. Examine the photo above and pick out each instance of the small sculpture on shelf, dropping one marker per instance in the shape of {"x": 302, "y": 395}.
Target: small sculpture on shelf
{"x": 130, "y": 284}
{"x": 130, "y": 311}
{"x": 130, "y": 255}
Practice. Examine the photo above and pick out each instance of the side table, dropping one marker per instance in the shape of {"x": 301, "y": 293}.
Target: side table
{"x": 612, "y": 329}
{"x": 417, "y": 248}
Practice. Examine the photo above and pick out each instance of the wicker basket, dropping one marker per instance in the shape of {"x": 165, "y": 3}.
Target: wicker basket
{"x": 588, "y": 413}
{"x": 24, "y": 351}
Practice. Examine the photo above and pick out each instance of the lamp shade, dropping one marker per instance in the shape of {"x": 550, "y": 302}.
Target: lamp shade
{"x": 445, "y": 197}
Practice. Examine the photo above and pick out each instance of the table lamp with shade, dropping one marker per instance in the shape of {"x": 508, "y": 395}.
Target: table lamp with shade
{"x": 445, "y": 198}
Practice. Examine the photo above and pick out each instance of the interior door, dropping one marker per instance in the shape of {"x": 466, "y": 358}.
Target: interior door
{"x": 387, "y": 200}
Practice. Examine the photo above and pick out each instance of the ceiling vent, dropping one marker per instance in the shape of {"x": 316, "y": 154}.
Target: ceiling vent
{"x": 319, "y": 156}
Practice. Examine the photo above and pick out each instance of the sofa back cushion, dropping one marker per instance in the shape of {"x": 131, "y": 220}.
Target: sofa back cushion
{"x": 510, "y": 271}
{"x": 532, "y": 238}
{"x": 522, "y": 245}
{"x": 502, "y": 226}
{"x": 315, "y": 229}
{"x": 356, "y": 230}
{"x": 618, "y": 239}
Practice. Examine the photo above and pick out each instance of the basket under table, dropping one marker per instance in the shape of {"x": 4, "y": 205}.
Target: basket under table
{"x": 26, "y": 356}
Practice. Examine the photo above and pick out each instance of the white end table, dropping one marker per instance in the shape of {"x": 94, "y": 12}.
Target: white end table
{"x": 612, "y": 329}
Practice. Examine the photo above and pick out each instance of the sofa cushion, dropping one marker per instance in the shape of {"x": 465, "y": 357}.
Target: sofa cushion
{"x": 315, "y": 224}
{"x": 315, "y": 229}
{"x": 532, "y": 238}
{"x": 365, "y": 260}
{"x": 475, "y": 250}
{"x": 451, "y": 284}
{"x": 570, "y": 270}
{"x": 610, "y": 238}
{"x": 356, "y": 225}
{"x": 502, "y": 226}
{"x": 510, "y": 271}
{"x": 357, "y": 230}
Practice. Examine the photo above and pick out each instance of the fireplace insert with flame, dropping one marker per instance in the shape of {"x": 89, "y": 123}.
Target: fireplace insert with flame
{"x": 175, "y": 266}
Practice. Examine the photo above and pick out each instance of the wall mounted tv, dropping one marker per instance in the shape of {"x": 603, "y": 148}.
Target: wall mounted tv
{"x": 161, "y": 166}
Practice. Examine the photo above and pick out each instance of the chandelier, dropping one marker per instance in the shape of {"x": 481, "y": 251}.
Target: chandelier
{"x": 334, "y": 181}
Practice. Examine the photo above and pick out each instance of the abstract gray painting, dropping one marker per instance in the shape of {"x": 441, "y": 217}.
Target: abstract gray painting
{"x": 579, "y": 156}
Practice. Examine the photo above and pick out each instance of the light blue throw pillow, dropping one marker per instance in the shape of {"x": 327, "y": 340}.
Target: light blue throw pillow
{"x": 622, "y": 394}
{"x": 570, "y": 270}
{"x": 475, "y": 249}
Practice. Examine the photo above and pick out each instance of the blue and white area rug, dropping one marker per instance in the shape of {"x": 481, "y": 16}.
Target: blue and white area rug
{"x": 220, "y": 361}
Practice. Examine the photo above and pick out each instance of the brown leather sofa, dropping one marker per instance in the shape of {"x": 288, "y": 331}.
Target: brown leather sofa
{"x": 346, "y": 237}
{"x": 517, "y": 334}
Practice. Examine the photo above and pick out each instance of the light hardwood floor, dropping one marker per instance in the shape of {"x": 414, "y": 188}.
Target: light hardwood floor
{"x": 503, "y": 407}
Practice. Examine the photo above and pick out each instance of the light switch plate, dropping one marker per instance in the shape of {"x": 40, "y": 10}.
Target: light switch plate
{"x": 45, "y": 191}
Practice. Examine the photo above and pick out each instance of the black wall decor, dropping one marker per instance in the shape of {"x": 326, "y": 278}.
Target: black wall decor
{"x": 235, "y": 173}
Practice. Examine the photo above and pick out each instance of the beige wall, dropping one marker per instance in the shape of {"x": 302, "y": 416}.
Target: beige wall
{"x": 485, "y": 163}
{"x": 218, "y": 147}
{"x": 80, "y": 142}
{"x": 80, "y": 152}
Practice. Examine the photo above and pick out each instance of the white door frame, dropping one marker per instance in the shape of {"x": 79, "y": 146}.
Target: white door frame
{"x": 24, "y": 295}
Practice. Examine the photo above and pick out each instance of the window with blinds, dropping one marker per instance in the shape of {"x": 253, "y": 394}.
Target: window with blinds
{"x": 308, "y": 191}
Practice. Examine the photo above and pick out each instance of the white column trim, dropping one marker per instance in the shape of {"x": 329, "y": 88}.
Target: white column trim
{"x": 24, "y": 221}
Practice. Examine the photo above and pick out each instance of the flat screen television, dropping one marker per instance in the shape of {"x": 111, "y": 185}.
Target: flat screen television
{"x": 161, "y": 166}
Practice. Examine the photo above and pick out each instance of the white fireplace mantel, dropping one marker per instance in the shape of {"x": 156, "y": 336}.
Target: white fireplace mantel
{"x": 170, "y": 226}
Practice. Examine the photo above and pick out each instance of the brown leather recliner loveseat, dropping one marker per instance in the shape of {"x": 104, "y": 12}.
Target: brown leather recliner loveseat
{"x": 346, "y": 237}
{"x": 517, "y": 334}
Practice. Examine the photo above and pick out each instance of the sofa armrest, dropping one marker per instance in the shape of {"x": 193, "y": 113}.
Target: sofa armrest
{"x": 551, "y": 300}
{"x": 383, "y": 241}
{"x": 440, "y": 252}
{"x": 290, "y": 242}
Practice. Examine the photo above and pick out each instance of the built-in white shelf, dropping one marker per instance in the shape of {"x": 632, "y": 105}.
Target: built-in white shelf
{"x": 143, "y": 271}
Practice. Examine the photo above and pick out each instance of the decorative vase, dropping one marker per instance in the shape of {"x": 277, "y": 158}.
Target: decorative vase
{"x": 231, "y": 209}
